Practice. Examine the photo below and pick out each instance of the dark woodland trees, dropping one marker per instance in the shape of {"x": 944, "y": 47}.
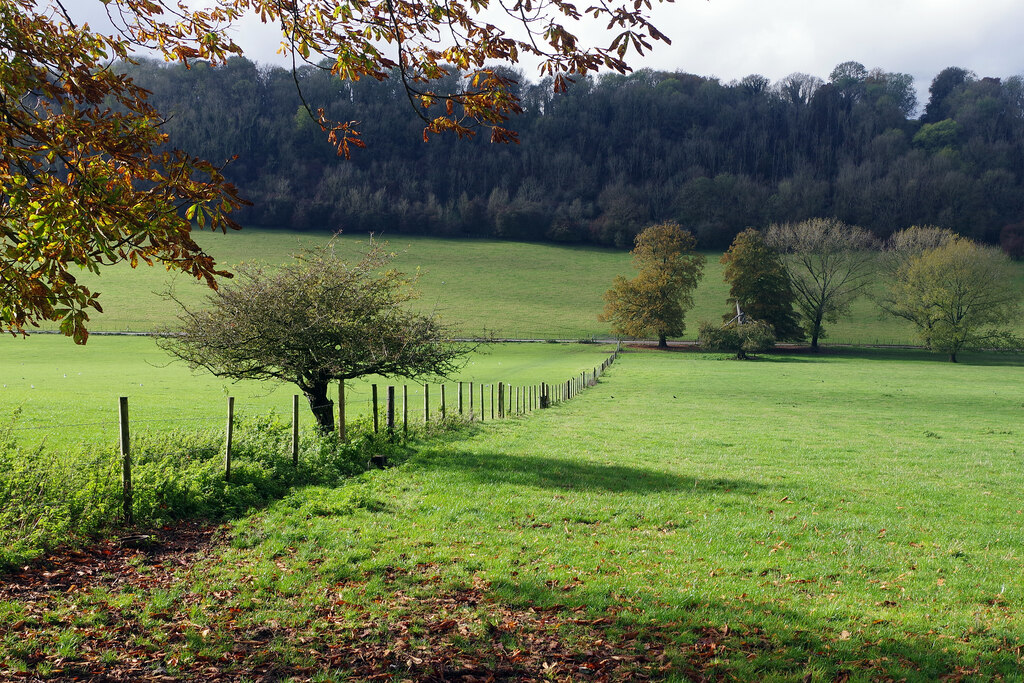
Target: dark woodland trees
{"x": 615, "y": 153}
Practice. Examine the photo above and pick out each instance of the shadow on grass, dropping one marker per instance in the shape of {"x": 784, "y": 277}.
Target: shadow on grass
{"x": 569, "y": 475}
{"x": 755, "y": 639}
{"x": 987, "y": 359}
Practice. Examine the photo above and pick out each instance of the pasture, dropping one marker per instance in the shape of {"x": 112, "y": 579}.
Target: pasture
{"x": 851, "y": 515}
{"x": 67, "y": 394}
{"x": 509, "y": 289}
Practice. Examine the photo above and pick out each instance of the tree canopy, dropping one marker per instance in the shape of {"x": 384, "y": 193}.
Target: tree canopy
{"x": 714, "y": 156}
{"x": 829, "y": 264}
{"x": 86, "y": 179}
{"x": 958, "y": 294}
{"x": 315, "y": 320}
{"x": 759, "y": 283}
{"x": 657, "y": 299}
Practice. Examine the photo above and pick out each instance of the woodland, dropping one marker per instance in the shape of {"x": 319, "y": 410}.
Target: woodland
{"x": 613, "y": 153}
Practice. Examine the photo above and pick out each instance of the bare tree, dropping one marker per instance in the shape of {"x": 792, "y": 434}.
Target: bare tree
{"x": 830, "y": 264}
{"x": 315, "y": 320}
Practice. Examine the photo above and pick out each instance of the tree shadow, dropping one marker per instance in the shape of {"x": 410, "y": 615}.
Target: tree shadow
{"x": 716, "y": 640}
{"x": 974, "y": 358}
{"x": 569, "y": 475}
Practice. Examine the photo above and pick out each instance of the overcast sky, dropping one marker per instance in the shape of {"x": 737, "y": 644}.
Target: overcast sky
{"x": 734, "y": 38}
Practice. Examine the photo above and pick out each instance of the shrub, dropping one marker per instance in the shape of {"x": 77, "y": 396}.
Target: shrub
{"x": 743, "y": 340}
{"x": 47, "y": 498}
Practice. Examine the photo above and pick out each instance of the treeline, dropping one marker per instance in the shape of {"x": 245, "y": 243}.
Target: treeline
{"x": 614, "y": 154}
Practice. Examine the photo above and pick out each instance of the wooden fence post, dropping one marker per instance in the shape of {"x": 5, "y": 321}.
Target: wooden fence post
{"x": 426, "y": 403}
{"x": 460, "y": 398}
{"x": 227, "y": 440}
{"x": 391, "y": 410}
{"x": 501, "y": 399}
{"x": 471, "y": 416}
{"x": 405, "y": 408}
{"x": 376, "y": 416}
{"x": 545, "y": 401}
{"x": 341, "y": 409}
{"x": 443, "y": 400}
{"x": 295, "y": 430}
{"x": 492, "y": 401}
{"x": 126, "y": 460}
{"x": 482, "y": 403}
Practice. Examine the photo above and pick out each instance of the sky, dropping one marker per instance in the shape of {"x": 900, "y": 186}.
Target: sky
{"x": 731, "y": 39}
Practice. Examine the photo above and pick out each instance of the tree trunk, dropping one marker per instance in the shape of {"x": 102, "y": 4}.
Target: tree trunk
{"x": 321, "y": 406}
{"x": 952, "y": 356}
{"x": 815, "y": 333}
{"x": 662, "y": 341}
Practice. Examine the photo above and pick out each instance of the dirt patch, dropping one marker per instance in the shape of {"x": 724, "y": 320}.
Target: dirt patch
{"x": 111, "y": 563}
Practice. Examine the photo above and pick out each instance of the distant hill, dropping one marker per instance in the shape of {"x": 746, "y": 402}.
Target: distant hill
{"x": 614, "y": 154}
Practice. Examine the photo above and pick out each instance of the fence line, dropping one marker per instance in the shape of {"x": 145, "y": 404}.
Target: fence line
{"x": 506, "y": 400}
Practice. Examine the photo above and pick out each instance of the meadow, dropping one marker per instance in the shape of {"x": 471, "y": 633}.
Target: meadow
{"x": 849, "y": 515}
{"x": 845, "y": 516}
{"x": 508, "y": 289}
{"x": 66, "y": 395}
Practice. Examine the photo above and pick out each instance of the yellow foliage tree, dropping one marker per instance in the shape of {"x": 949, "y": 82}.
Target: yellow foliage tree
{"x": 655, "y": 302}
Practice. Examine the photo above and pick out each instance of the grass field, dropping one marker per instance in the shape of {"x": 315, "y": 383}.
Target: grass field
{"x": 512, "y": 289}
{"x": 850, "y": 516}
{"x": 67, "y": 394}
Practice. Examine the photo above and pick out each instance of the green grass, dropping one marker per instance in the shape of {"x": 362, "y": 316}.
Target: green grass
{"x": 844, "y": 515}
{"x": 511, "y": 289}
{"x": 67, "y": 394}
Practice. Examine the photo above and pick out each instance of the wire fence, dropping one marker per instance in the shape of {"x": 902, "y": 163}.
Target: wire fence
{"x": 390, "y": 408}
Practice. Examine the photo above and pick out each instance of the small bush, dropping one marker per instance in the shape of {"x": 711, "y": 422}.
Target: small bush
{"x": 743, "y": 340}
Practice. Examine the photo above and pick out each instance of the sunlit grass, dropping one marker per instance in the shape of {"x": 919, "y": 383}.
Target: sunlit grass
{"x": 67, "y": 394}
{"x": 510, "y": 289}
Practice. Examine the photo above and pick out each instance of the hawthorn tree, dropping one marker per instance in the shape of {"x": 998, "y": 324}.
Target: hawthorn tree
{"x": 958, "y": 294}
{"x": 759, "y": 283}
{"x": 830, "y": 264}
{"x": 86, "y": 180}
{"x": 315, "y": 320}
{"x": 657, "y": 299}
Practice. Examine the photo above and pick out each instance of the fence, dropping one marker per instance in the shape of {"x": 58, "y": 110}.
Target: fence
{"x": 504, "y": 399}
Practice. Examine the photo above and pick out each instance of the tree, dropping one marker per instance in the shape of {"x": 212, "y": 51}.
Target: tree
{"x": 958, "y": 294}
{"x": 753, "y": 336}
{"x": 829, "y": 263}
{"x": 85, "y": 180}
{"x": 315, "y": 320}
{"x": 759, "y": 283}
{"x": 657, "y": 299}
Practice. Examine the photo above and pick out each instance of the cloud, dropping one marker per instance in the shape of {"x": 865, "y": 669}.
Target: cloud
{"x": 733, "y": 38}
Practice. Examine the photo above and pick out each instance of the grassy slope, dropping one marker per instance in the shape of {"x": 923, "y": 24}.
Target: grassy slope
{"x": 68, "y": 393}
{"x": 856, "y": 513}
{"x": 510, "y": 288}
